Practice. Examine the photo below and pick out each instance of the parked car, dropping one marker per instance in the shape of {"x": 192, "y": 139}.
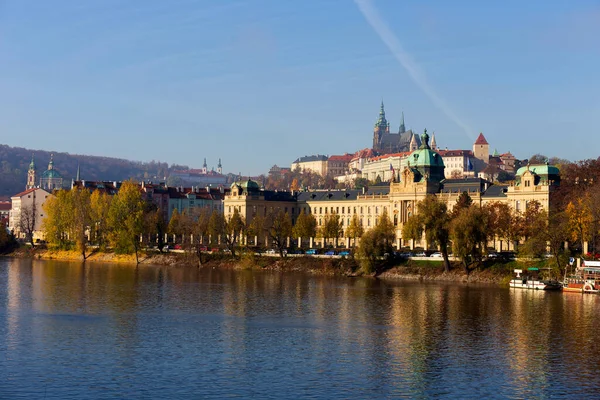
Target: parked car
{"x": 271, "y": 251}
{"x": 311, "y": 252}
{"x": 203, "y": 248}
{"x": 344, "y": 253}
{"x": 437, "y": 254}
{"x": 421, "y": 254}
{"x": 214, "y": 250}
{"x": 177, "y": 247}
{"x": 330, "y": 253}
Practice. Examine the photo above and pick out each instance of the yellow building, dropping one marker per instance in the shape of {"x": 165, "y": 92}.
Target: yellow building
{"x": 423, "y": 175}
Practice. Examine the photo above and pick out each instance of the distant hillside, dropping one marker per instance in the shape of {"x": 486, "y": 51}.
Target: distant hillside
{"x": 14, "y": 162}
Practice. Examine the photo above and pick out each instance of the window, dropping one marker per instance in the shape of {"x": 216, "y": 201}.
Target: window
{"x": 376, "y": 210}
{"x": 369, "y": 210}
{"x": 518, "y": 205}
{"x": 368, "y": 221}
{"x": 361, "y": 210}
{"x": 343, "y": 210}
{"x": 320, "y": 210}
{"x": 337, "y": 210}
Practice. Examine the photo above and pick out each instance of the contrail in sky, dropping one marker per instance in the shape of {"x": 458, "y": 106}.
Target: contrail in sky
{"x": 391, "y": 41}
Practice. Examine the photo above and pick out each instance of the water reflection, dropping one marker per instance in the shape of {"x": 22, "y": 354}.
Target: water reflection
{"x": 89, "y": 331}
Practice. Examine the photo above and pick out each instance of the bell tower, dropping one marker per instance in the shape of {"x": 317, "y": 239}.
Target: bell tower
{"x": 31, "y": 174}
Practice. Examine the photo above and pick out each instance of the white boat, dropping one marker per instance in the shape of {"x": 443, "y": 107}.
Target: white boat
{"x": 532, "y": 281}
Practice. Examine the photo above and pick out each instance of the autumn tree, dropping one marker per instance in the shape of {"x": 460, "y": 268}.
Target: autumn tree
{"x": 306, "y": 226}
{"x": 99, "y": 211}
{"x": 155, "y": 226}
{"x": 433, "y": 219}
{"x": 580, "y": 218}
{"x": 199, "y": 229}
{"x": 80, "y": 219}
{"x": 55, "y": 224}
{"x": 256, "y": 228}
{"x": 375, "y": 244}
{"x": 469, "y": 236}
{"x": 232, "y": 230}
{"x": 354, "y": 229}
{"x": 499, "y": 220}
{"x": 174, "y": 227}
{"x": 331, "y": 228}
{"x": 125, "y": 218}
{"x": 216, "y": 226}
{"x": 279, "y": 228}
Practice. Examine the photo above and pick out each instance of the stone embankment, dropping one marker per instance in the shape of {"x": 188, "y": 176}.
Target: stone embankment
{"x": 418, "y": 270}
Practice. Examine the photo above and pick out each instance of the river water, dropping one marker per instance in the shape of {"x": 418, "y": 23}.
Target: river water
{"x": 99, "y": 331}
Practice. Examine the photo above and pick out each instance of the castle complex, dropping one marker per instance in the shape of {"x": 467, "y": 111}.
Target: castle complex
{"x": 422, "y": 174}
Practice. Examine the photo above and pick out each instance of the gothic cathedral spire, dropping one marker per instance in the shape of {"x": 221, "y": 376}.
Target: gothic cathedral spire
{"x": 402, "y": 126}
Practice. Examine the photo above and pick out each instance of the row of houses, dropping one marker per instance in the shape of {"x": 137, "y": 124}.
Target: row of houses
{"x": 29, "y": 204}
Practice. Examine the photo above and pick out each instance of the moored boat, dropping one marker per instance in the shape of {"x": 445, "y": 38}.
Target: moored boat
{"x": 531, "y": 281}
{"x": 586, "y": 279}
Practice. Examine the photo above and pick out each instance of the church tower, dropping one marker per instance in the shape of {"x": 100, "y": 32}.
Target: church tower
{"x": 204, "y": 167}
{"x": 382, "y": 127}
{"x": 31, "y": 174}
{"x": 219, "y": 167}
{"x": 433, "y": 143}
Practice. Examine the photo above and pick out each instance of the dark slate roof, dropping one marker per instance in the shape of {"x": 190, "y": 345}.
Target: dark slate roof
{"x": 496, "y": 191}
{"x": 329, "y": 195}
{"x": 384, "y": 189}
{"x": 318, "y": 157}
{"x": 463, "y": 185}
{"x": 273, "y": 195}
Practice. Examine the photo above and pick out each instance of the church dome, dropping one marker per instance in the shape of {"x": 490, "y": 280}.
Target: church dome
{"x": 248, "y": 186}
{"x": 429, "y": 163}
{"x": 539, "y": 169}
{"x": 51, "y": 174}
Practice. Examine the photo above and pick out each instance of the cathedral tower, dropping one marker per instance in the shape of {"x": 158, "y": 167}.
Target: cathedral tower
{"x": 219, "y": 167}
{"x": 382, "y": 127}
{"x": 204, "y": 167}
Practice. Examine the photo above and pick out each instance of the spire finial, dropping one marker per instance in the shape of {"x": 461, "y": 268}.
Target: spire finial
{"x": 78, "y": 178}
{"x": 402, "y": 126}
{"x": 51, "y": 163}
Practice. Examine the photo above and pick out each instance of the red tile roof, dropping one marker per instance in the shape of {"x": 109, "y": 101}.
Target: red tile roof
{"x": 455, "y": 153}
{"x": 5, "y": 205}
{"x": 383, "y": 157}
{"x": 481, "y": 139}
{"x": 24, "y": 193}
{"x": 345, "y": 158}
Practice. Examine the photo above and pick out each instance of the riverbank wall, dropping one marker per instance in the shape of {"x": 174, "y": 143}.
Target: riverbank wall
{"x": 496, "y": 273}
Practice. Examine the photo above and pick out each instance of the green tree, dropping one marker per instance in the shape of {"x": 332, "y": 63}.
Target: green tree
{"x": 126, "y": 219}
{"x": 469, "y": 236}
{"x": 463, "y": 201}
{"x": 306, "y": 226}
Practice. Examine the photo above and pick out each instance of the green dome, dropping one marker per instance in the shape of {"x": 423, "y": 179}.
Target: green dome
{"x": 426, "y": 158}
{"x": 248, "y": 186}
{"x": 539, "y": 169}
{"x": 51, "y": 174}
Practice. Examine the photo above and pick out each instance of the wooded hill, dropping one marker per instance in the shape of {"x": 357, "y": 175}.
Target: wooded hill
{"x": 14, "y": 163}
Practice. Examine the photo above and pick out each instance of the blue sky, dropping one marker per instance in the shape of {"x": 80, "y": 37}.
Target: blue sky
{"x": 262, "y": 82}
